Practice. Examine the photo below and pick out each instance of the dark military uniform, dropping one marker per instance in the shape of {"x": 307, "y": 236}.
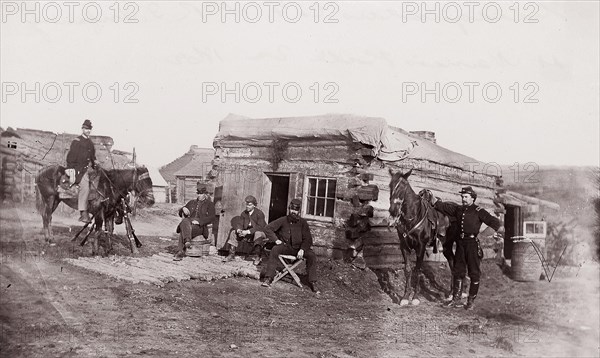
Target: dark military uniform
{"x": 295, "y": 236}
{"x": 81, "y": 153}
{"x": 81, "y": 156}
{"x": 201, "y": 211}
{"x": 466, "y": 258}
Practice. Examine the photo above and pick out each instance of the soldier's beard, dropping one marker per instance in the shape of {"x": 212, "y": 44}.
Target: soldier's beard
{"x": 293, "y": 217}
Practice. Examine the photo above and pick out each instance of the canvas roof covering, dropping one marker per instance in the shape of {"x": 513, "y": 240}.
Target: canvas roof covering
{"x": 157, "y": 178}
{"x": 170, "y": 170}
{"x": 389, "y": 143}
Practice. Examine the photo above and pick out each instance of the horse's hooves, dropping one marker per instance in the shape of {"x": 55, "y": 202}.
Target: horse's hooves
{"x": 403, "y": 303}
{"x": 415, "y": 302}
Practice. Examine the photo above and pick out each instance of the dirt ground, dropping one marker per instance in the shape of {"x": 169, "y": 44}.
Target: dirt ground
{"x": 49, "y": 308}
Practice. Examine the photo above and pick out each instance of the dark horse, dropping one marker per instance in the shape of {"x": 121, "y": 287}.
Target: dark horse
{"x": 106, "y": 199}
{"x": 418, "y": 224}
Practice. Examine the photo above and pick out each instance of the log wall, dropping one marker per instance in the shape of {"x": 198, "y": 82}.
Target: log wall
{"x": 243, "y": 168}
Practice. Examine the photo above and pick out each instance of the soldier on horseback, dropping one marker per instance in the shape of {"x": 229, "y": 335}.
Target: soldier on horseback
{"x": 80, "y": 158}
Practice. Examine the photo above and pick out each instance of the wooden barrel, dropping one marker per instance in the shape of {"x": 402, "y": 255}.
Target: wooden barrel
{"x": 199, "y": 247}
{"x": 525, "y": 263}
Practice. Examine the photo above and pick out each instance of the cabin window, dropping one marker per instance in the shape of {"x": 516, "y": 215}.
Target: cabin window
{"x": 534, "y": 229}
{"x": 320, "y": 197}
{"x": 12, "y": 145}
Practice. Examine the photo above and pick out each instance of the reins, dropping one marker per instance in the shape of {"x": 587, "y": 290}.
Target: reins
{"x": 420, "y": 223}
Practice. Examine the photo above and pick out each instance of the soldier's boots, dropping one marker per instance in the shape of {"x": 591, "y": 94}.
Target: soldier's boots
{"x": 456, "y": 293}
{"x": 179, "y": 255}
{"x": 258, "y": 258}
{"x": 231, "y": 255}
{"x": 85, "y": 217}
{"x": 267, "y": 282}
{"x": 473, "y": 289}
{"x": 470, "y": 303}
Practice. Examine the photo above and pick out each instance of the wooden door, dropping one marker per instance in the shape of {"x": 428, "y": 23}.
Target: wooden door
{"x": 236, "y": 186}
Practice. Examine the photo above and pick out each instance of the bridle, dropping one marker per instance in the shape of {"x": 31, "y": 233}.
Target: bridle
{"x": 419, "y": 224}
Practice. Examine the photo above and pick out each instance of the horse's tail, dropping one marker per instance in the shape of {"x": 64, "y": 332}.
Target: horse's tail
{"x": 44, "y": 177}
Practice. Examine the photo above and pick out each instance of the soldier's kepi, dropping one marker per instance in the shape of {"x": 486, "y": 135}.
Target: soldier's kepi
{"x": 471, "y": 217}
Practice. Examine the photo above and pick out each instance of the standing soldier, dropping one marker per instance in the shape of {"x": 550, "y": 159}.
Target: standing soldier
{"x": 467, "y": 257}
{"x": 81, "y": 157}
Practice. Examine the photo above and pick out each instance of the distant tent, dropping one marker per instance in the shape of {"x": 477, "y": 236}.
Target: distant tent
{"x": 160, "y": 186}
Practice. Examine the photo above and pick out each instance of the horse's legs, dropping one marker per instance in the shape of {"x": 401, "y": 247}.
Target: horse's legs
{"x": 50, "y": 205}
{"x": 109, "y": 226}
{"x": 54, "y": 206}
{"x": 417, "y": 274}
{"x": 449, "y": 255}
{"x": 385, "y": 281}
{"x": 407, "y": 276}
{"x": 106, "y": 235}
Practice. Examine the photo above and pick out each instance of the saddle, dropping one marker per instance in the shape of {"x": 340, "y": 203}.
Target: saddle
{"x": 439, "y": 222}
{"x": 67, "y": 189}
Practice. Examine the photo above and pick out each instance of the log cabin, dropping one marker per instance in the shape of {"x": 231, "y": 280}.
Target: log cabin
{"x": 338, "y": 165}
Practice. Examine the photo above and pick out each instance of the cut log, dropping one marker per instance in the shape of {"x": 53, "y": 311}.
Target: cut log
{"x": 366, "y": 193}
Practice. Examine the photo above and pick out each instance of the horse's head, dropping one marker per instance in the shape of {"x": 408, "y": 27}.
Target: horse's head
{"x": 143, "y": 186}
{"x": 426, "y": 194}
{"x": 398, "y": 189}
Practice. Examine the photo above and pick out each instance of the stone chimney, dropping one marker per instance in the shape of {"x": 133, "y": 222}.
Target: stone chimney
{"x": 428, "y": 135}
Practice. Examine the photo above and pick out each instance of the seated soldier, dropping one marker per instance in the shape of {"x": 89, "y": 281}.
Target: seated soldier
{"x": 292, "y": 236}
{"x": 250, "y": 228}
{"x": 196, "y": 215}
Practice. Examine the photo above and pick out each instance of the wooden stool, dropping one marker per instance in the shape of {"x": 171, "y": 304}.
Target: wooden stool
{"x": 289, "y": 264}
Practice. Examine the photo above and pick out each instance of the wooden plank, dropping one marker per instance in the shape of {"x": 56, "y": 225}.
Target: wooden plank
{"x": 165, "y": 269}
{"x": 101, "y": 269}
{"x": 95, "y": 264}
{"x": 134, "y": 271}
{"x": 217, "y": 271}
{"x": 191, "y": 268}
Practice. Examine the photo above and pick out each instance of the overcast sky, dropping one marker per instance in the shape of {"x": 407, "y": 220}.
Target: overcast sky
{"x": 514, "y": 83}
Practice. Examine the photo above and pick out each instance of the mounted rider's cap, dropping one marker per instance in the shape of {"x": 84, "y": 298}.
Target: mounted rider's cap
{"x": 468, "y": 190}
{"x": 201, "y": 188}
{"x": 295, "y": 204}
{"x": 87, "y": 124}
{"x": 251, "y": 199}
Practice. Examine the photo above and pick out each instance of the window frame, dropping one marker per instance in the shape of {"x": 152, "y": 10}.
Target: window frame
{"x": 535, "y": 224}
{"x": 305, "y": 196}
